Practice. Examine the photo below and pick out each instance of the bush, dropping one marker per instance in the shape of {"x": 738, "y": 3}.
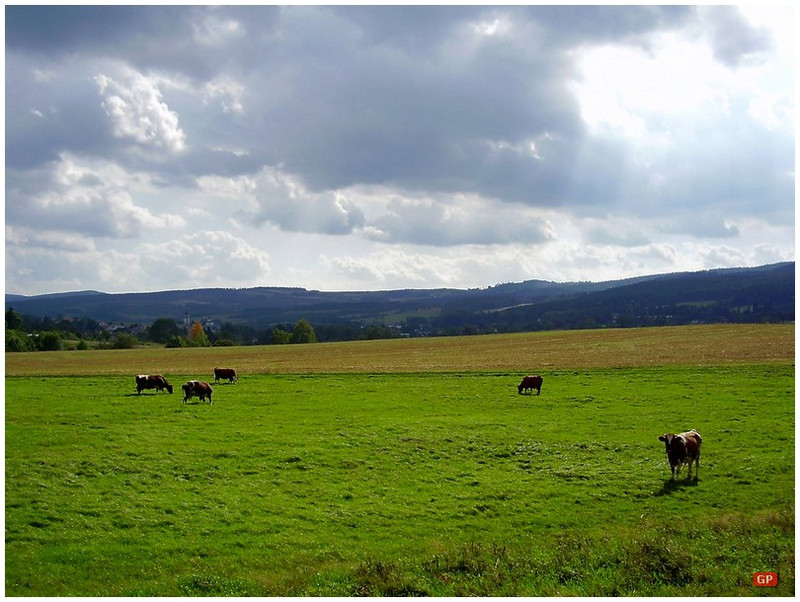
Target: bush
{"x": 280, "y": 337}
{"x": 125, "y": 341}
{"x": 175, "y": 342}
{"x": 18, "y": 341}
{"x": 49, "y": 341}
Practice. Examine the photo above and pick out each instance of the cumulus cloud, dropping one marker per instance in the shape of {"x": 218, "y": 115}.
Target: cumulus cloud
{"x": 27, "y": 239}
{"x": 227, "y": 91}
{"x": 93, "y": 200}
{"x": 137, "y": 111}
{"x": 205, "y": 258}
{"x": 396, "y": 268}
{"x": 284, "y": 201}
{"x": 460, "y": 221}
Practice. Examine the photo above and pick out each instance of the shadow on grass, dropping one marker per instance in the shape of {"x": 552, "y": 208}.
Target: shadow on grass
{"x": 672, "y": 485}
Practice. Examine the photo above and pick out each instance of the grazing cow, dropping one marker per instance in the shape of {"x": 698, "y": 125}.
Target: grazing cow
{"x": 152, "y": 381}
{"x": 196, "y": 388}
{"x": 683, "y": 449}
{"x": 223, "y": 373}
{"x": 530, "y": 383}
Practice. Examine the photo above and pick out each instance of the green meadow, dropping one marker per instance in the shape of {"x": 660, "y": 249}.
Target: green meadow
{"x": 382, "y": 478}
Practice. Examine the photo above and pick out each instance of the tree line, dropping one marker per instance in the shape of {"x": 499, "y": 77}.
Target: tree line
{"x": 27, "y": 333}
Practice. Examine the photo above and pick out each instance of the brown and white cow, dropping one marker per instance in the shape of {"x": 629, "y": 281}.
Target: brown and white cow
{"x": 225, "y": 373}
{"x": 530, "y": 383}
{"x": 683, "y": 448}
{"x": 152, "y": 381}
{"x": 196, "y": 388}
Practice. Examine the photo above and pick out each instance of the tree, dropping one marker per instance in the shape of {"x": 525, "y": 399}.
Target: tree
{"x": 162, "y": 330}
{"x": 280, "y": 337}
{"x": 13, "y": 319}
{"x": 303, "y": 333}
{"x": 197, "y": 335}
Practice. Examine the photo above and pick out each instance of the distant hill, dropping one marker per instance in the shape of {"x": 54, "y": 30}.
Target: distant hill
{"x": 762, "y": 294}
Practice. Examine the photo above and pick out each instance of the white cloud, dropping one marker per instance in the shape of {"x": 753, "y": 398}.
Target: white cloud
{"x": 205, "y": 258}
{"x": 390, "y": 268}
{"x": 283, "y": 200}
{"x": 228, "y": 91}
{"x": 457, "y": 220}
{"x": 137, "y": 111}
{"x": 92, "y": 199}
{"x": 215, "y": 30}
{"x": 27, "y": 239}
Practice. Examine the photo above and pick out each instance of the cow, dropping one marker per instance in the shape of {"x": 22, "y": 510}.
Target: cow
{"x": 196, "y": 388}
{"x": 530, "y": 383}
{"x": 152, "y": 381}
{"x": 683, "y": 449}
{"x": 223, "y": 373}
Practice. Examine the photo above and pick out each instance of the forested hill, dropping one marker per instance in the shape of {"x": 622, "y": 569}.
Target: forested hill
{"x": 762, "y": 294}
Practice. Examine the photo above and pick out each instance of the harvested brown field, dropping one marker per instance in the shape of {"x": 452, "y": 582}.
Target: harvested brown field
{"x": 702, "y": 345}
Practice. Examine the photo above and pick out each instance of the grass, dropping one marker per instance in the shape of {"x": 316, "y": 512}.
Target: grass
{"x": 405, "y": 482}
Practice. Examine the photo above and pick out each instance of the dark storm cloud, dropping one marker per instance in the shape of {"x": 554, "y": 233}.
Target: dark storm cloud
{"x": 50, "y": 110}
{"x": 59, "y": 30}
{"x": 377, "y": 113}
{"x": 570, "y": 24}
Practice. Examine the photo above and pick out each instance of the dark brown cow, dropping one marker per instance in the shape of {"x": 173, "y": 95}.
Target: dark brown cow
{"x": 152, "y": 381}
{"x": 530, "y": 383}
{"x": 196, "y": 388}
{"x": 224, "y": 373}
{"x": 683, "y": 449}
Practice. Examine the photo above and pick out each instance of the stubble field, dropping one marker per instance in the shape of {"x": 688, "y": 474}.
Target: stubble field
{"x": 406, "y": 468}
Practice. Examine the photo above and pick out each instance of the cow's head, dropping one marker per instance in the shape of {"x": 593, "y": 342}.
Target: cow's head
{"x": 675, "y": 446}
{"x": 169, "y": 388}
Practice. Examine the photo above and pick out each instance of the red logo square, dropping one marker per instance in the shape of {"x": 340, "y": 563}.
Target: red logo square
{"x": 765, "y": 579}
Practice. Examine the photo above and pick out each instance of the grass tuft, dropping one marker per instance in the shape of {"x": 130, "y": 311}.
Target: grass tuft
{"x": 213, "y": 585}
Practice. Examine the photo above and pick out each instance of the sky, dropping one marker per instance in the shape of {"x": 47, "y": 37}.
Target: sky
{"x": 391, "y": 147}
